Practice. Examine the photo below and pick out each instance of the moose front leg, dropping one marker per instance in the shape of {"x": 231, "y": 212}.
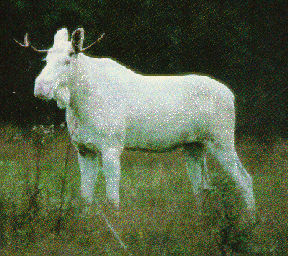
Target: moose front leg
{"x": 89, "y": 166}
{"x": 111, "y": 170}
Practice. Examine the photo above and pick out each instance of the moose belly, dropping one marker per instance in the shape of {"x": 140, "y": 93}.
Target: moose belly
{"x": 161, "y": 137}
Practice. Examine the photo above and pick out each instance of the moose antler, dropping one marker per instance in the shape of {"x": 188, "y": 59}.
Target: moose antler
{"x": 27, "y": 44}
{"x": 93, "y": 43}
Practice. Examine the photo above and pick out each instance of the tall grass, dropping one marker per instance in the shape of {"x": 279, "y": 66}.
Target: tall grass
{"x": 41, "y": 208}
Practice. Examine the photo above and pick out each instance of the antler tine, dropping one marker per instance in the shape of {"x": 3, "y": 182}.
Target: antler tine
{"x": 26, "y": 41}
{"x": 93, "y": 43}
{"x": 27, "y": 44}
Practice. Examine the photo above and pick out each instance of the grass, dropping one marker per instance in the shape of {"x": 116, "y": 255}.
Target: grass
{"x": 157, "y": 213}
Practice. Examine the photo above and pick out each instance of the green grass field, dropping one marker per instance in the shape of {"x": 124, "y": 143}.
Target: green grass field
{"x": 157, "y": 213}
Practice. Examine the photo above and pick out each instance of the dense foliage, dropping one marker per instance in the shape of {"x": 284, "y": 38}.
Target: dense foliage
{"x": 243, "y": 43}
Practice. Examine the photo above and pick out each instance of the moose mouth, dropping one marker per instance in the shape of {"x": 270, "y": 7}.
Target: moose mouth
{"x": 42, "y": 96}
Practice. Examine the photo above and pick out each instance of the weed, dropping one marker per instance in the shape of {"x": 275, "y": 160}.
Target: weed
{"x": 40, "y": 204}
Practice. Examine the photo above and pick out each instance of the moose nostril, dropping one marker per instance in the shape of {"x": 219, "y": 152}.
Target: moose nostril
{"x": 39, "y": 93}
{"x": 42, "y": 89}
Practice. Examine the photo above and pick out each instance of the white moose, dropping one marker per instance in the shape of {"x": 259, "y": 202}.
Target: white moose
{"x": 110, "y": 108}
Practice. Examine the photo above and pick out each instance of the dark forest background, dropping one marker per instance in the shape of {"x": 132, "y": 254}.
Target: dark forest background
{"x": 242, "y": 43}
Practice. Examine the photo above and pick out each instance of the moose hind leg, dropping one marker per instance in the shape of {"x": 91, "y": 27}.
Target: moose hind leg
{"x": 206, "y": 179}
{"x": 195, "y": 155}
{"x": 232, "y": 166}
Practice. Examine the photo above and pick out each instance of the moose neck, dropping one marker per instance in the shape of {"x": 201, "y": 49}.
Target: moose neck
{"x": 85, "y": 87}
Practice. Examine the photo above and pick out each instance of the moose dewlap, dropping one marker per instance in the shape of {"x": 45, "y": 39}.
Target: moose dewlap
{"x": 110, "y": 108}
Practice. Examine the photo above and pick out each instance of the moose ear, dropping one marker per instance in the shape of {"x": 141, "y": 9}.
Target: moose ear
{"x": 61, "y": 35}
{"x": 77, "y": 40}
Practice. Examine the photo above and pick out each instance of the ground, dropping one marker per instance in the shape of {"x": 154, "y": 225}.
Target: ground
{"x": 157, "y": 213}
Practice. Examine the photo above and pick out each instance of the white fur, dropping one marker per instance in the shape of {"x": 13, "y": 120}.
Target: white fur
{"x": 110, "y": 108}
